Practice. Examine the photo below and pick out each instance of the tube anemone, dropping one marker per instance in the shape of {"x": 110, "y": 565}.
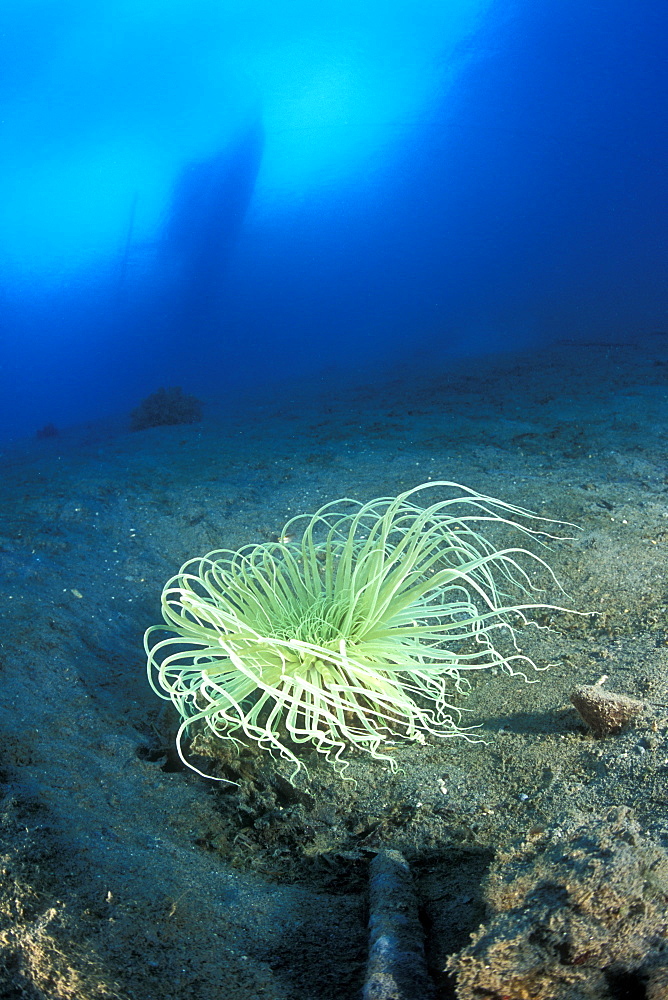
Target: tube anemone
{"x": 357, "y": 628}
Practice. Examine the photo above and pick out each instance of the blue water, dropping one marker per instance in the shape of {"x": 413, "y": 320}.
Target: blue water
{"x": 228, "y": 196}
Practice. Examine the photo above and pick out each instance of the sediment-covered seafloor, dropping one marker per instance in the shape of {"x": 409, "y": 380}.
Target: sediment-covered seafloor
{"x": 537, "y": 855}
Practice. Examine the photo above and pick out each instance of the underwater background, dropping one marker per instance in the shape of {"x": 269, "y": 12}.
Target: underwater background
{"x": 231, "y": 196}
{"x": 256, "y": 257}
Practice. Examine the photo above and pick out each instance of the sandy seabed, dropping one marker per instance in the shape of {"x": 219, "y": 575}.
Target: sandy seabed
{"x": 127, "y": 876}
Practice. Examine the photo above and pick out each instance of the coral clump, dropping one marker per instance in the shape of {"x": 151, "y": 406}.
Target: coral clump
{"x": 47, "y": 431}
{"x": 166, "y": 407}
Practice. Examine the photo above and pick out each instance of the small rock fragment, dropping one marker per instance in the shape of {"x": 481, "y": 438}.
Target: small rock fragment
{"x": 604, "y": 711}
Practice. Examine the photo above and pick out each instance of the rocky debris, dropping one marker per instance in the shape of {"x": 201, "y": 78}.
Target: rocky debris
{"x": 604, "y": 711}
{"x": 574, "y": 912}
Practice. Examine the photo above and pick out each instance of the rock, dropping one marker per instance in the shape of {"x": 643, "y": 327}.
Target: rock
{"x": 604, "y": 711}
{"x": 571, "y": 912}
{"x": 657, "y": 981}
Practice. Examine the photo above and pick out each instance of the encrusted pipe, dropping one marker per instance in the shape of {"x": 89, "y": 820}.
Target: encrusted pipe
{"x": 396, "y": 968}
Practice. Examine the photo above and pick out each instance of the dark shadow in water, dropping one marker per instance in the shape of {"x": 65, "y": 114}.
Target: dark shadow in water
{"x": 209, "y": 203}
